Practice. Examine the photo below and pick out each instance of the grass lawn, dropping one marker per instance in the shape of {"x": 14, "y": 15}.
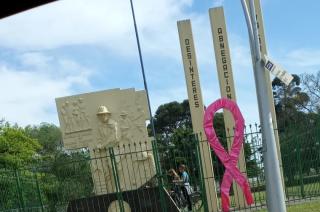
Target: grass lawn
{"x": 305, "y": 207}
{"x": 293, "y": 192}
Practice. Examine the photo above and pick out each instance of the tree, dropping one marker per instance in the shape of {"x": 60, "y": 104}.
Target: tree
{"x": 48, "y": 135}
{"x": 172, "y": 116}
{"x": 17, "y": 149}
{"x": 295, "y": 106}
{"x": 311, "y": 86}
{"x": 66, "y": 174}
{"x": 290, "y": 102}
{"x": 67, "y": 178}
{"x": 289, "y": 98}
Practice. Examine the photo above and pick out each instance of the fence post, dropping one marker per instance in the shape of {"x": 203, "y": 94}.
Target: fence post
{"x": 159, "y": 175}
{"x": 116, "y": 178}
{"x": 38, "y": 191}
{"x": 300, "y": 169}
{"x": 19, "y": 191}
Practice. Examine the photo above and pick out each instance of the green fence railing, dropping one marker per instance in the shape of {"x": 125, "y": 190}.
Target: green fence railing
{"x": 142, "y": 183}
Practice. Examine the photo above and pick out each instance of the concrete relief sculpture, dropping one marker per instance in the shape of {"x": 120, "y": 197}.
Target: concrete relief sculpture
{"x": 74, "y": 116}
{"x": 101, "y": 169}
{"x": 139, "y": 120}
{"x": 83, "y": 117}
{"x": 107, "y": 129}
{"x": 66, "y": 117}
{"x": 110, "y": 119}
{"x": 125, "y": 127}
{"x": 75, "y": 122}
{"x": 115, "y": 206}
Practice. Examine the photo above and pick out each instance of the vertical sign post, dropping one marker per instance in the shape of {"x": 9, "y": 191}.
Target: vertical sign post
{"x": 227, "y": 89}
{"x": 275, "y": 194}
{"x": 197, "y": 108}
{"x": 263, "y": 50}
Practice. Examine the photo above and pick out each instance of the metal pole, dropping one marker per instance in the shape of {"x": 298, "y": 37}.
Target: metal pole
{"x": 159, "y": 172}
{"x": 275, "y": 195}
{"x": 142, "y": 69}
{"x": 116, "y": 179}
{"x": 19, "y": 189}
{"x": 39, "y": 191}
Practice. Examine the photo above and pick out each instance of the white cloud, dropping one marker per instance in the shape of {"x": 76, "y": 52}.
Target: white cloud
{"x": 66, "y": 23}
{"x": 35, "y": 59}
{"x": 106, "y": 23}
{"x": 302, "y": 60}
{"x": 27, "y": 94}
{"x": 41, "y": 77}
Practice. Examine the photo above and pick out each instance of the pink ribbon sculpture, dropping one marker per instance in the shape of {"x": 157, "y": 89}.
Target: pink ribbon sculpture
{"x": 229, "y": 160}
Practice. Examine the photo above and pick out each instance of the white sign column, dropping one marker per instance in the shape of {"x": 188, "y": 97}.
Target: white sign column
{"x": 227, "y": 88}
{"x": 197, "y": 109}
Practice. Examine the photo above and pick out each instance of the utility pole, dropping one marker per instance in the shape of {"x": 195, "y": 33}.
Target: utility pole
{"x": 275, "y": 194}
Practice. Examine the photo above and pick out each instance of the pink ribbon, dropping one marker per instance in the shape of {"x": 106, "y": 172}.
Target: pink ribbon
{"x": 229, "y": 160}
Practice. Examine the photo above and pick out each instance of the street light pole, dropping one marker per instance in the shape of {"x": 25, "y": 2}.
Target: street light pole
{"x": 275, "y": 194}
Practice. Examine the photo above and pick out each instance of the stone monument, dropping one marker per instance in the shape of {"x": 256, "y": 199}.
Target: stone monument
{"x": 110, "y": 119}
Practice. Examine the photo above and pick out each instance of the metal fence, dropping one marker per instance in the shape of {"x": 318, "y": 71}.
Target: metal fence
{"x": 300, "y": 154}
{"x": 136, "y": 176}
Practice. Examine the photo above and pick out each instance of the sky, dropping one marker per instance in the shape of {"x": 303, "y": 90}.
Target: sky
{"x": 75, "y": 46}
